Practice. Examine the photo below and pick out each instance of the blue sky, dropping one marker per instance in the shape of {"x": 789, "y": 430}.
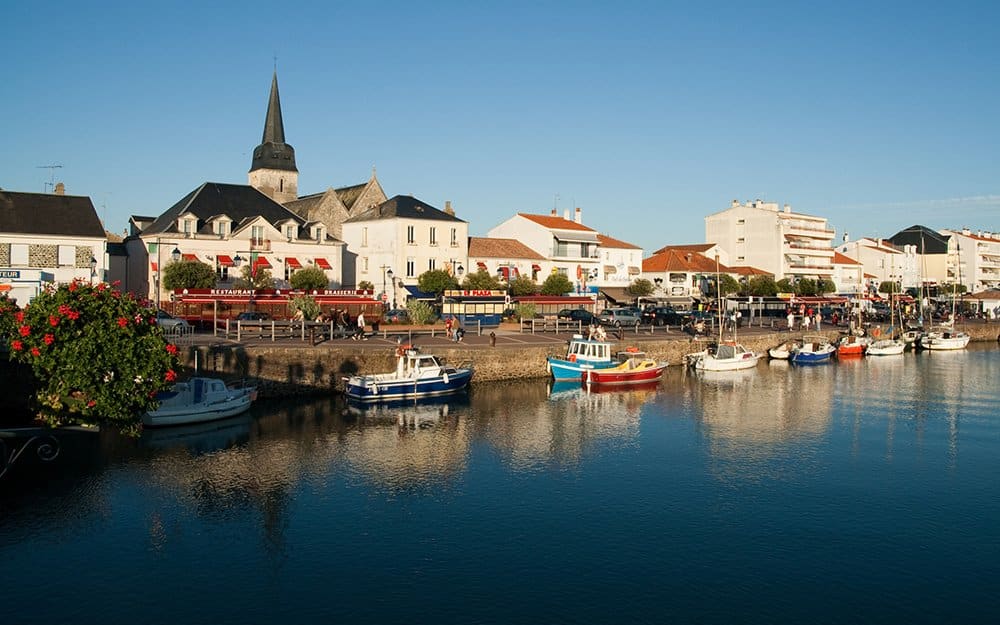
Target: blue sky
{"x": 647, "y": 115}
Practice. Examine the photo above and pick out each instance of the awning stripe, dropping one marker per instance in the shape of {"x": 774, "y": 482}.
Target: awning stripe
{"x": 189, "y": 257}
{"x": 292, "y": 262}
{"x": 262, "y": 262}
{"x": 322, "y": 264}
{"x": 224, "y": 261}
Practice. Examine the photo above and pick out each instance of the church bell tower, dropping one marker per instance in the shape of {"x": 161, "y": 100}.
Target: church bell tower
{"x": 273, "y": 171}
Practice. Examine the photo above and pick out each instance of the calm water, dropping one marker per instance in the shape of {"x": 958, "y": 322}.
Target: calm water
{"x": 861, "y": 491}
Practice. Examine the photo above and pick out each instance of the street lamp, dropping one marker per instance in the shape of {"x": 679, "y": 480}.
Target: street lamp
{"x": 93, "y": 268}
{"x": 176, "y": 254}
{"x": 387, "y": 274}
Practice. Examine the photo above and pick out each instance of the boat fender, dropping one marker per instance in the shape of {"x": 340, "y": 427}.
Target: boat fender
{"x": 572, "y": 357}
{"x": 445, "y": 377}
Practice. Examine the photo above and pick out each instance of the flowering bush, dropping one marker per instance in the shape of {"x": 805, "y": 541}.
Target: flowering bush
{"x": 98, "y": 355}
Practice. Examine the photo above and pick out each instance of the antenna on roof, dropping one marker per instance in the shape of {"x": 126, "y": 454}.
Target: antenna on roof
{"x": 52, "y": 179}
{"x": 555, "y": 202}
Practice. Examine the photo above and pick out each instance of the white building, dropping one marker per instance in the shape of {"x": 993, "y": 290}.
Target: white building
{"x": 48, "y": 238}
{"x": 974, "y": 259}
{"x": 883, "y": 260}
{"x": 508, "y": 259}
{"x": 778, "y": 241}
{"x": 406, "y": 237}
{"x": 848, "y": 275}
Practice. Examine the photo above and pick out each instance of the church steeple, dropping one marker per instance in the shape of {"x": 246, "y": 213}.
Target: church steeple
{"x": 272, "y": 170}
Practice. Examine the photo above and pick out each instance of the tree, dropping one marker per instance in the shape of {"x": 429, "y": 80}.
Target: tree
{"x": 785, "y": 286}
{"x": 525, "y": 311}
{"x": 250, "y": 279}
{"x": 188, "y": 274}
{"x": 98, "y": 355}
{"x": 523, "y": 285}
{"x": 826, "y": 285}
{"x": 309, "y": 278}
{"x": 310, "y": 309}
{"x": 762, "y": 286}
{"x": 436, "y": 281}
{"x": 729, "y": 284}
{"x": 640, "y": 287}
{"x": 481, "y": 280}
{"x": 420, "y": 312}
{"x": 556, "y": 284}
{"x": 807, "y": 287}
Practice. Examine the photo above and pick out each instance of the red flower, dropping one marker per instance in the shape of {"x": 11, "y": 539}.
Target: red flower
{"x": 25, "y": 330}
{"x": 171, "y": 376}
{"x": 53, "y": 320}
{"x": 64, "y": 309}
{"x": 72, "y": 285}
{"x": 73, "y": 315}
{"x": 16, "y": 345}
{"x": 91, "y": 403}
{"x": 19, "y": 315}
{"x": 171, "y": 349}
{"x": 35, "y": 352}
{"x": 49, "y": 339}
{"x": 122, "y": 322}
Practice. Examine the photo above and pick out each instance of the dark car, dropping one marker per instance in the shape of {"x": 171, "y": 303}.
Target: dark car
{"x": 396, "y": 315}
{"x": 253, "y": 316}
{"x": 662, "y": 316}
{"x": 577, "y": 314}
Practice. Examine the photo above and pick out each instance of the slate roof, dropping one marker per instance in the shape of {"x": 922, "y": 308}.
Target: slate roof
{"x": 240, "y": 202}
{"x": 486, "y": 247}
{"x": 927, "y": 241}
{"x": 406, "y": 207}
{"x": 606, "y": 241}
{"x": 273, "y": 152}
{"x": 49, "y": 214}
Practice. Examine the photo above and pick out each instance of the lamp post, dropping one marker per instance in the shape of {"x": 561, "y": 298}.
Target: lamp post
{"x": 387, "y": 275}
{"x": 176, "y": 254}
{"x": 93, "y": 269}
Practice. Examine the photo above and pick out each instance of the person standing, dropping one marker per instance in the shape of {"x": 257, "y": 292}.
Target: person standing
{"x": 818, "y": 320}
{"x": 805, "y": 323}
{"x": 361, "y": 327}
{"x": 791, "y": 320}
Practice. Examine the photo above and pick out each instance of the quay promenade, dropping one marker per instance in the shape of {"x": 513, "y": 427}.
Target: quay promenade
{"x": 292, "y": 366}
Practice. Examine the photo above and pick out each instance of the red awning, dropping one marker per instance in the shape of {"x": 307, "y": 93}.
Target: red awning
{"x": 292, "y": 262}
{"x": 262, "y": 262}
{"x": 481, "y": 265}
{"x": 189, "y": 257}
{"x": 224, "y": 260}
{"x": 536, "y": 267}
{"x": 322, "y": 264}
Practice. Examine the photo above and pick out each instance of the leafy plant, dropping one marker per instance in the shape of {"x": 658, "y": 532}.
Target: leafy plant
{"x": 481, "y": 280}
{"x": 826, "y": 285}
{"x": 525, "y": 311}
{"x": 420, "y": 312}
{"x": 97, "y": 354}
{"x": 556, "y": 284}
{"x": 310, "y": 309}
{"x": 309, "y": 278}
{"x": 251, "y": 279}
{"x": 188, "y": 274}
{"x": 436, "y": 281}
{"x": 640, "y": 287}
{"x": 763, "y": 286}
{"x": 785, "y": 286}
{"x": 523, "y": 285}
{"x": 365, "y": 285}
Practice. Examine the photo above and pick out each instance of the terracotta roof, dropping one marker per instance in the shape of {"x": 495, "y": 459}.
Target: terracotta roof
{"x": 840, "y": 259}
{"x": 486, "y": 247}
{"x": 554, "y": 222}
{"x": 701, "y": 248}
{"x": 749, "y": 271}
{"x": 677, "y": 260}
{"x": 607, "y": 241}
{"x": 977, "y": 237}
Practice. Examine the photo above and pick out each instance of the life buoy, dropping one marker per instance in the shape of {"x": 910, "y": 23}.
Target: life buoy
{"x": 445, "y": 378}
{"x": 632, "y": 349}
{"x": 572, "y": 357}
{"x": 400, "y": 352}
{"x": 877, "y": 332}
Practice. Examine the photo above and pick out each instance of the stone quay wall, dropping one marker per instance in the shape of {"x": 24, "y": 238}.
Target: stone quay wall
{"x": 282, "y": 371}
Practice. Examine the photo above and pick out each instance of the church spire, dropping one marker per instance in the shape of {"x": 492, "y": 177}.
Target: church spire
{"x": 273, "y": 152}
{"x": 274, "y": 129}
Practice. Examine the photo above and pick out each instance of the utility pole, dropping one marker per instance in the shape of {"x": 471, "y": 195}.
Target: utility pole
{"x": 52, "y": 178}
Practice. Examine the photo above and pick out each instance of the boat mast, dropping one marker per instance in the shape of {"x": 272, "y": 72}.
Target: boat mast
{"x": 718, "y": 297}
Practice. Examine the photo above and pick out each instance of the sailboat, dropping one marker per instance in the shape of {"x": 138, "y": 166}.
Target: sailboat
{"x": 945, "y": 335}
{"x": 724, "y": 355}
{"x": 890, "y": 345}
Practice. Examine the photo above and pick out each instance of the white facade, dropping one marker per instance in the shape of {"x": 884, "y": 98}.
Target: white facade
{"x": 32, "y": 261}
{"x": 786, "y": 244}
{"x": 886, "y": 263}
{"x": 974, "y": 259}
{"x": 408, "y": 247}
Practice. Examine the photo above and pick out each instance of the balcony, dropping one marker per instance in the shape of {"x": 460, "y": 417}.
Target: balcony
{"x": 260, "y": 245}
{"x": 811, "y": 231}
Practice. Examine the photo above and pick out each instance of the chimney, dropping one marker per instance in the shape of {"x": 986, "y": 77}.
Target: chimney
{"x": 566, "y": 214}
{"x": 448, "y": 209}
{"x": 734, "y": 204}
{"x": 788, "y": 208}
{"x": 578, "y": 218}
{"x": 554, "y": 213}
{"x": 60, "y": 189}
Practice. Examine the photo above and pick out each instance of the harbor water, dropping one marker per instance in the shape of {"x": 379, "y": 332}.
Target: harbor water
{"x": 860, "y": 491}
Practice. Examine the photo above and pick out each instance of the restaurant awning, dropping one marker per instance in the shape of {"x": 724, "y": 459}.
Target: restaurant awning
{"x": 293, "y": 262}
{"x": 189, "y": 258}
{"x": 609, "y": 269}
{"x": 481, "y": 265}
{"x": 262, "y": 262}
{"x": 634, "y": 271}
{"x": 322, "y": 264}
{"x": 153, "y": 265}
{"x": 536, "y": 267}
{"x": 224, "y": 261}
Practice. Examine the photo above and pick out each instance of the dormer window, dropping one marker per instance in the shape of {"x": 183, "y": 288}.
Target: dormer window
{"x": 290, "y": 232}
{"x": 188, "y": 227}
{"x": 222, "y": 228}
{"x": 319, "y": 233}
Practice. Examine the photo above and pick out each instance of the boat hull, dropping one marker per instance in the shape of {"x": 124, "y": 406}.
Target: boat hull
{"x": 612, "y": 377}
{"x": 383, "y": 388}
{"x": 945, "y": 343}
{"x": 886, "y": 348}
{"x": 238, "y": 404}
{"x": 563, "y": 369}
{"x": 811, "y": 358}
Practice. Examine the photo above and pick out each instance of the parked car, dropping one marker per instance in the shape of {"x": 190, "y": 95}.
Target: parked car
{"x": 396, "y": 315}
{"x": 253, "y": 316}
{"x": 169, "y": 322}
{"x": 577, "y": 314}
{"x": 662, "y": 316}
{"x": 619, "y": 317}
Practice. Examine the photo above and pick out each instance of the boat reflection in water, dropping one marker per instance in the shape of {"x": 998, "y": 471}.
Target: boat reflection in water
{"x": 200, "y": 438}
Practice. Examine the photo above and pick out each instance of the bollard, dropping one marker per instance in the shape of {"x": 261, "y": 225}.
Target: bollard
{"x": 493, "y": 339}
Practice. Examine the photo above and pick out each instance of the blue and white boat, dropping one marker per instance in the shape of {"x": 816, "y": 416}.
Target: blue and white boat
{"x": 812, "y": 350}
{"x": 581, "y": 354}
{"x": 416, "y": 375}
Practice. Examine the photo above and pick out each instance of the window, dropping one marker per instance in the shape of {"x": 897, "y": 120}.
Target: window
{"x": 434, "y": 239}
{"x": 18, "y": 255}
{"x": 585, "y": 250}
{"x": 364, "y": 237}
{"x": 454, "y": 237}
{"x": 318, "y": 233}
{"x": 741, "y": 240}
{"x": 222, "y": 228}
{"x": 222, "y": 272}
{"x": 290, "y": 232}
{"x": 257, "y": 234}
{"x": 410, "y": 235}
{"x": 431, "y": 264}
{"x": 364, "y": 265}
{"x": 188, "y": 227}
{"x": 289, "y": 270}
{"x": 67, "y": 255}
{"x": 560, "y": 248}
{"x": 411, "y": 267}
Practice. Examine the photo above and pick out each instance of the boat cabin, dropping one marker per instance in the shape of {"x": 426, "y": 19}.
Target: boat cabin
{"x": 587, "y": 350}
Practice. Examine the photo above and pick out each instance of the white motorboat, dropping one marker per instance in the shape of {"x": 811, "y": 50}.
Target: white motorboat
{"x": 198, "y": 400}
{"x": 945, "y": 337}
{"x": 728, "y": 356}
{"x": 886, "y": 347}
{"x": 784, "y": 351}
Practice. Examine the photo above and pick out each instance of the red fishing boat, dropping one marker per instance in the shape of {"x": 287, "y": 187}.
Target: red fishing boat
{"x": 634, "y": 369}
{"x": 851, "y": 345}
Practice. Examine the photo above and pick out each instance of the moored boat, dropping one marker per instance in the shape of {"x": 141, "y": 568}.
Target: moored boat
{"x": 581, "y": 354}
{"x": 886, "y": 347}
{"x": 945, "y": 337}
{"x": 199, "y": 400}
{"x": 814, "y": 349}
{"x": 635, "y": 369}
{"x": 852, "y": 345}
{"x": 727, "y": 356}
{"x": 784, "y": 351}
{"x": 416, "y": 375}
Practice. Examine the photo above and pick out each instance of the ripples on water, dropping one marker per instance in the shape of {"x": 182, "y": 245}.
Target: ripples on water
{"x": 859, "y": 491}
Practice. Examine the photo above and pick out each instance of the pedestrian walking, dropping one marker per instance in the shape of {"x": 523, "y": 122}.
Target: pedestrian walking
{"x": 805, "y": 323}
{"x": 791, "y": 320}
{"x": 361, "y": 328}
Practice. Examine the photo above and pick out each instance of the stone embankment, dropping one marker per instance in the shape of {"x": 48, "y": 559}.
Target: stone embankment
{"x": 293, "y": 369}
